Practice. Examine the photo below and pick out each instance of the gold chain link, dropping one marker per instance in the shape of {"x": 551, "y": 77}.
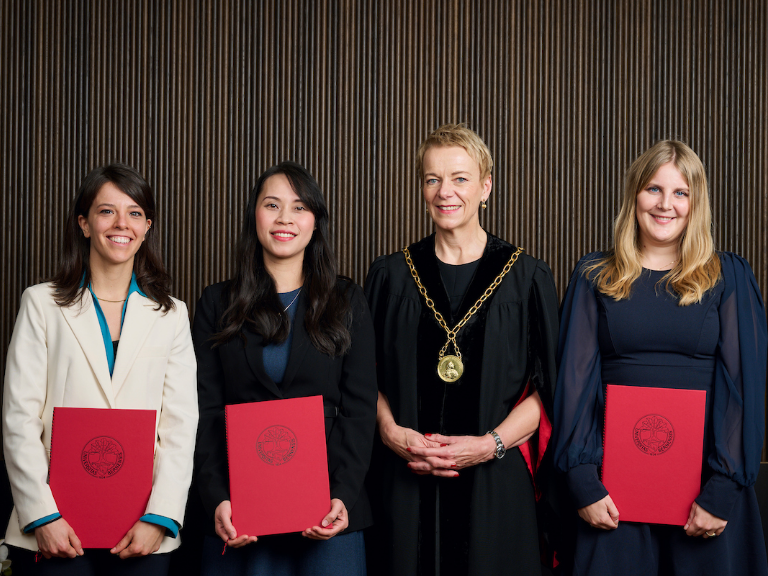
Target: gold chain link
{"x": 475, "y": 307}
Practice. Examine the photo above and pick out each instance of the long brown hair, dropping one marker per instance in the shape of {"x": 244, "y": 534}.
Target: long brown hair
{"x": 74, "y": 274}
{"x": 252, "y": 296}
{"x": 698, "y": 268}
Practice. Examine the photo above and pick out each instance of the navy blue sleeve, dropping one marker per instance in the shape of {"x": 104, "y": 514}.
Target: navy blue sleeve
{"x": 738, "y": 413}
{"x": 577, "y": 431}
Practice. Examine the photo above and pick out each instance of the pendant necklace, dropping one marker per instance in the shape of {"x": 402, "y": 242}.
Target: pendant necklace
{"x": 450, "y": 367}
{"x": 292, "y": 301}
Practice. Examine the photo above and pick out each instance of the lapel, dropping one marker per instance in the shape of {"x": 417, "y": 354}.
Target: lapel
{"x": 84, "y": 324}
{"x": 140, "y": 317}
{"x": 300, "y": 343}
{"x": 254, "y": 355}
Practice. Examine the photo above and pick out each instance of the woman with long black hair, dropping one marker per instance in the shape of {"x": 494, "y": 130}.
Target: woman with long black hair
{"x": 287, "y": 326}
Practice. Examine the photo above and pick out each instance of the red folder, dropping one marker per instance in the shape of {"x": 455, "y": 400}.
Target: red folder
{"x": 278, "y": 469}
{"x": 101, "y": 470}
{"x": 652, "y": 452}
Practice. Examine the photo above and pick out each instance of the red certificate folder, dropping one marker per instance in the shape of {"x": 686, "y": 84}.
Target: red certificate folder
{"x": 278, "y": 469}
{"x": 652, "y": 451}
{"x": 101, "y": 470}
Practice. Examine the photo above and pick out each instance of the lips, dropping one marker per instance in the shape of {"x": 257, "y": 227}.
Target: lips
{"x": 123, "y": 240}
{"x": 283, "y": 235}
{"x": 662, "y": 219}
{"x": 451, "y": 208}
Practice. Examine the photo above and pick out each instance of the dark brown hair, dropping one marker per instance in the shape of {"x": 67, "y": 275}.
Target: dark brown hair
{"x": 74, "y": 274}
{"x": 252, "y": 296}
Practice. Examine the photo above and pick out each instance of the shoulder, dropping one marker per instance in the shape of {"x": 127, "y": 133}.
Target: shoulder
{"x": 40, "y": 296}
{"x": 214, "y": 294}
{"x": 737, "y": 273}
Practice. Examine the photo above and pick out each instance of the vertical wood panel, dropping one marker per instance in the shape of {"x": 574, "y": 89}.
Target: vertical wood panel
{"x": 202, "y": 96}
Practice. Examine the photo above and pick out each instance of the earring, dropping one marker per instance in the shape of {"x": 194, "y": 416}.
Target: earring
{"x": 484, "y": 205}
{"x": 426, "y": 209}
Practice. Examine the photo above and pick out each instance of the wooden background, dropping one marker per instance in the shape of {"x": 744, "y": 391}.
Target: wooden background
{"x": 203, "y": 95}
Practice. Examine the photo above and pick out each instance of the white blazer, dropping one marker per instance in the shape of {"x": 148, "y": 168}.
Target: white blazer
{"x": 57, "y": 358}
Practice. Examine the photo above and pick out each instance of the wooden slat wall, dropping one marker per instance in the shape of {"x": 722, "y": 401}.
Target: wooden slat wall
{"x": 201, "y": 96}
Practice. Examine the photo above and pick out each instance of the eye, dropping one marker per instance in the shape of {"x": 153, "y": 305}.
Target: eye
{"x": 270, "y": 205}
{"x": 431, "y": 181}
{"x": 105, "y": 211}
{"x": 136, "y": 214}
{"x": 301, "y": 207}
{"x": 461, "y": 180}
{"x": 653, "y": 189}
{"x": 681, "y": 193}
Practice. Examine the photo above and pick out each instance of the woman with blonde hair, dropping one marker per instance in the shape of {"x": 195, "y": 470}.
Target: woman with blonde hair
{"x": 465, "y": 334}
{"x": 663, "y": 309}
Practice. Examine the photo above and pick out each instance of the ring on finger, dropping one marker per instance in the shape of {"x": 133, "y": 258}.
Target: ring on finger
{"x": 710, "y": 535}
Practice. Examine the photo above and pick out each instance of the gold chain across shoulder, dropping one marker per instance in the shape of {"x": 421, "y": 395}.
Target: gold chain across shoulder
{"x": 450, "y": 367}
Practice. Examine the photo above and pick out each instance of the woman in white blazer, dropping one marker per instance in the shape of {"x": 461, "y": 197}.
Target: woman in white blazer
{"x": 105, "y": 333}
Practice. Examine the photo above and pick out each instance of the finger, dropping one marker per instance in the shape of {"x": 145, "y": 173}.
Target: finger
{"x": 440, "y": 438}
{"x": 691, "y": 515}
{"x": 239, "y": 542}
{"x": 429, "y": 452}
{"x": 613, "y": 512}
{"x": 76, "y": 544}
{"x": 122, "y": 544}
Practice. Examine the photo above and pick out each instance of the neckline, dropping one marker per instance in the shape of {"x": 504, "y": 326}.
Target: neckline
{"x": 458, "y": 265}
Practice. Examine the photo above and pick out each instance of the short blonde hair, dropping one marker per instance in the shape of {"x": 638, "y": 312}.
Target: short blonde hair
{"x": 457, "y": 135}
{"x": 698, "y": 268}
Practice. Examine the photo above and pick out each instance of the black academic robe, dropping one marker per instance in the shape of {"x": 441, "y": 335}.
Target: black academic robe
{"x": 483, "y": 522}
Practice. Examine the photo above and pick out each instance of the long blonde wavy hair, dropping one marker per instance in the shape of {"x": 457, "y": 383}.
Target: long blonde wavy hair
{"x": 698, "y": 268}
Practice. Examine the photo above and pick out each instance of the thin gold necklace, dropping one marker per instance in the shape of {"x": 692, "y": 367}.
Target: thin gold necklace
{"x": 113, "y": 301}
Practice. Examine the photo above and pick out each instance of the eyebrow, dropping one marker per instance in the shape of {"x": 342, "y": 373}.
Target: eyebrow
{"x": 452, "y": 173}
{"x": 132, "y": 206}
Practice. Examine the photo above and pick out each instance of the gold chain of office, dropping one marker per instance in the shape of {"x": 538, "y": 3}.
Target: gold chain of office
{"x": 450, "y": 367}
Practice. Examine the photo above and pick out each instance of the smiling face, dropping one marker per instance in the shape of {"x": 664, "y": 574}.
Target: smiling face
{"x": 662, "y": 208}
{"x": 453, "y": 188}
{"x": 116, "y": 226}
{"x": 284, "y": 224}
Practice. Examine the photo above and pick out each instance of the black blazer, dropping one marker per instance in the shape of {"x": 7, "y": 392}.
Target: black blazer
{"x": 233, "y": 373}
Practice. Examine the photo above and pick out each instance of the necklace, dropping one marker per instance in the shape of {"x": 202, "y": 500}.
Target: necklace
{"x": 450, "y": 367}
{"x": 292, "y": 301}
{"x": 113, "y": 301}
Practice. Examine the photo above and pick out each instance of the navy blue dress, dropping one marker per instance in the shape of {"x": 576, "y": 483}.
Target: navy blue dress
{"x": 718, "y": 345}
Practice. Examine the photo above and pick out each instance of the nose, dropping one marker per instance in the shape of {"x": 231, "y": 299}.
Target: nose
{"x": 446, "y": 189}
{"x": 285, "y": 216}
{"x": 665, "y": 200}
{"x": 122, "y": 219}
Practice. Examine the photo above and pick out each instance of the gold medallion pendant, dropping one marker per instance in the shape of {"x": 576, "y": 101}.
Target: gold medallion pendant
{"x": 449, "y": 367}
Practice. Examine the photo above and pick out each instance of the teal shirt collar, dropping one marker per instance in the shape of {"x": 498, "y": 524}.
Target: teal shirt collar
{"x": 106, "y": 336}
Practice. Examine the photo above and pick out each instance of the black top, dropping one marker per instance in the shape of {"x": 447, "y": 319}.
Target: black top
{"x": 476, "y": 523}
{"x": 456, "y": 279}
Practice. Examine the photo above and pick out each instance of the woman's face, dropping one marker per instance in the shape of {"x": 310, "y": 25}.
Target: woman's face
{"x": 452, "y": 188}
{"x": 284, "y": 224}
{"x": 116, "y": 226}
{"x": 662, "y": 208}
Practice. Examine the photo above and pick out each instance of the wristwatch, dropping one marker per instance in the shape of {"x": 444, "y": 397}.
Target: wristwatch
{"x": 500, "y": 450}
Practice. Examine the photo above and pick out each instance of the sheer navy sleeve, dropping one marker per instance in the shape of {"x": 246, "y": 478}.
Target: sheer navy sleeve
{"x": 579, "y": 392}
{"x": 738, "y": 413}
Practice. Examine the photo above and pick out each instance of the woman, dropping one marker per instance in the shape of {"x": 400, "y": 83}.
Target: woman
{"x": 105, "y": 333}
{"x": 457, "y": 497}
{"x": 662, "y": 308}
{"x": 286, "y": 326}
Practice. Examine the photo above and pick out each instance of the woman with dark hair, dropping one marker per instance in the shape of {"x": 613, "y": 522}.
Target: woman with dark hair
{"x": 663, "y": 309}
{"x": 105, "y": 333}
{"x": 286, "y": 326}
